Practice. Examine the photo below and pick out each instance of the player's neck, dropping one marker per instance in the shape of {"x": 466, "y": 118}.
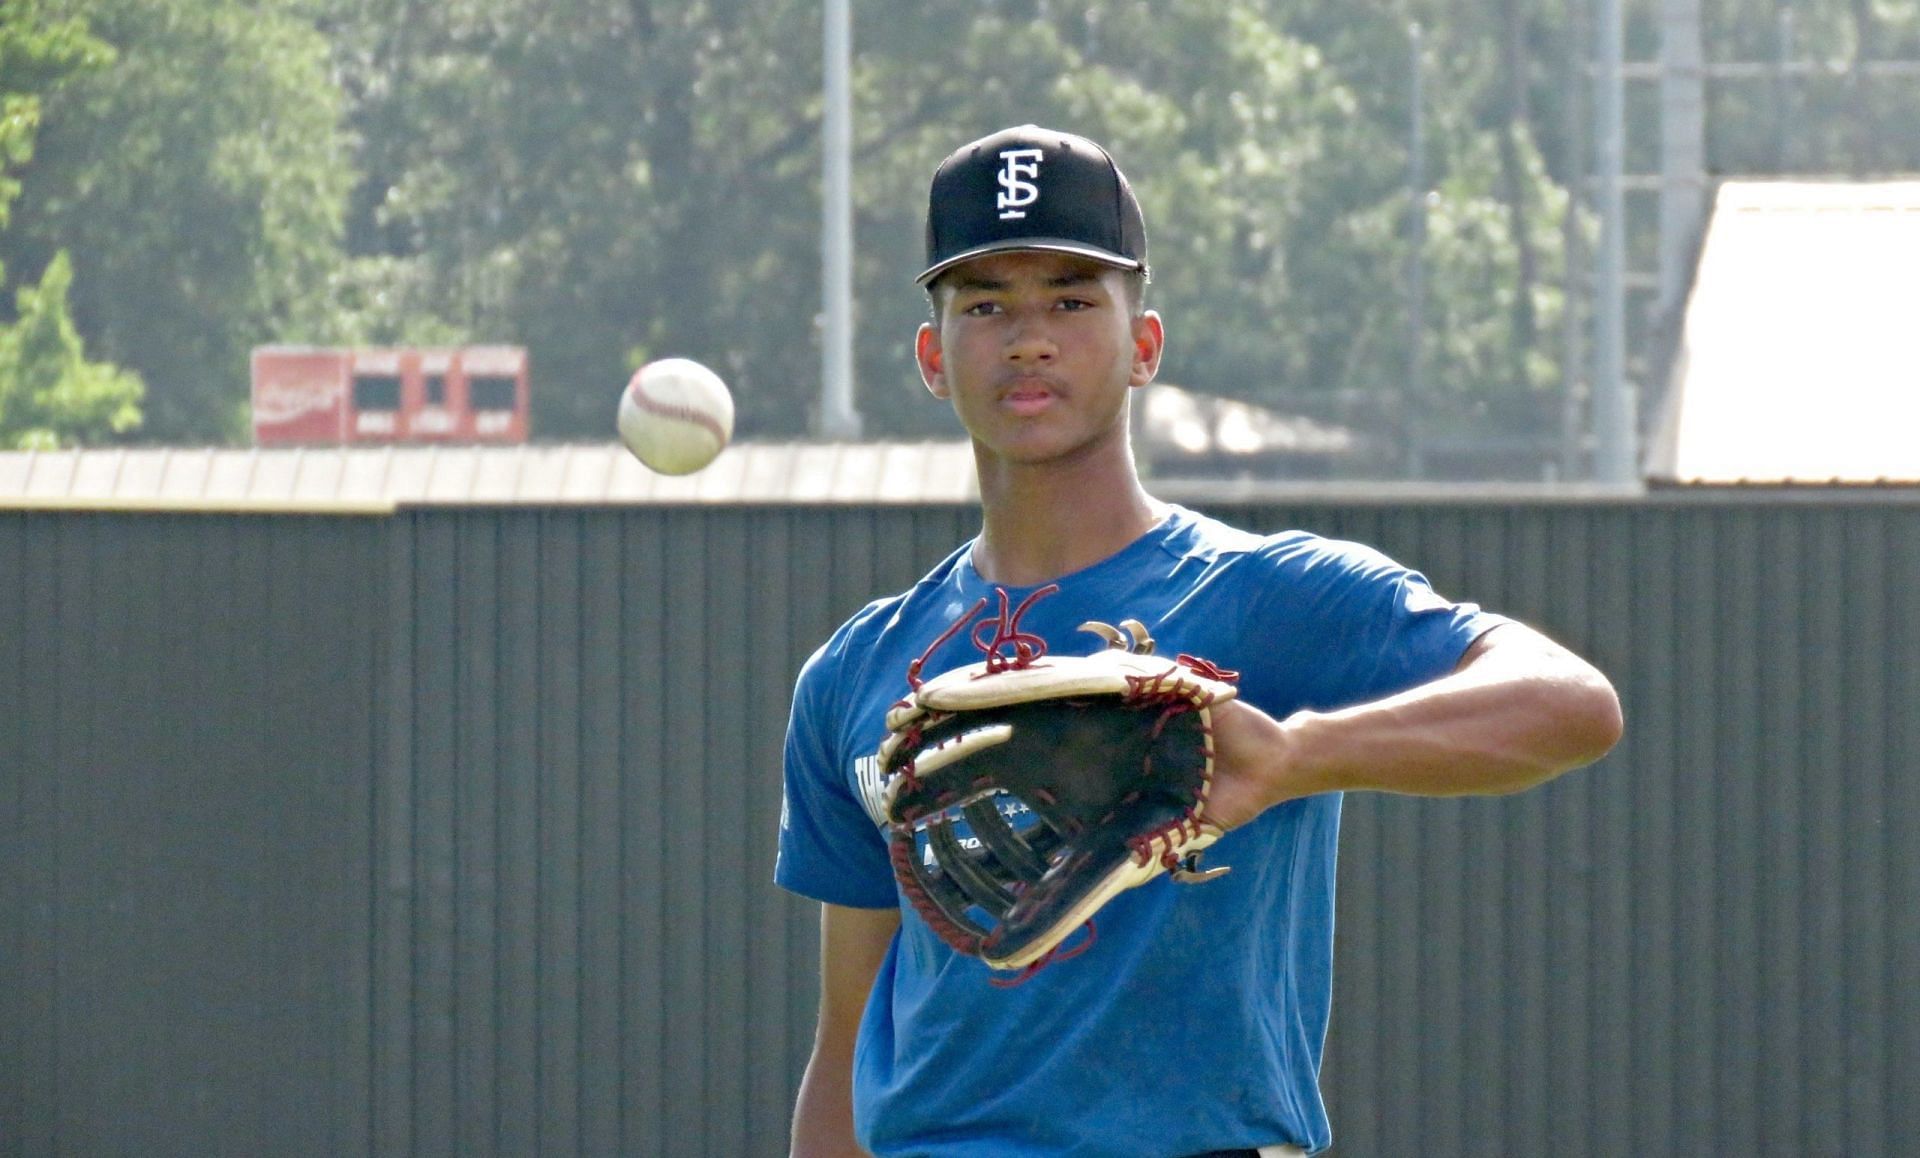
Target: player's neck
{"x": 1041, "y": 522}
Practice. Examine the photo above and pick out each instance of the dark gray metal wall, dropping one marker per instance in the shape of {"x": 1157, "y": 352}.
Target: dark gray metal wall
{"x": 450, "y": 833}
{"x": 186, "y": 741}
{"x": 1709, "y": 943}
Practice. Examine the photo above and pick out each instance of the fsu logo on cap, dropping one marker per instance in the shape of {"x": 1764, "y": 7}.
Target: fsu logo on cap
{"x": 1016, "y": 193}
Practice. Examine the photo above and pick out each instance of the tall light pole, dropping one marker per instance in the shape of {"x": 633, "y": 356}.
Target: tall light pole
{"x": 1683, "y": 177}
{"x": 1415, "y": 410}
{"x": 838, "y": 418}
{"x": 1614, "y": 454}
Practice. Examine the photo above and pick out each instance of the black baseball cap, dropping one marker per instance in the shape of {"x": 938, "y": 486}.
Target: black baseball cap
{"x": 1032, "y": 188}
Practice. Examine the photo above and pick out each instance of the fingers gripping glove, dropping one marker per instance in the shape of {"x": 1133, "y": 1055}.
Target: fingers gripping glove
{"x": 1075, "y": 778}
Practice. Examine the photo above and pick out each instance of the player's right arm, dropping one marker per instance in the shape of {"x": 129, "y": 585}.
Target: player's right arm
{"x": 853, "y": 942}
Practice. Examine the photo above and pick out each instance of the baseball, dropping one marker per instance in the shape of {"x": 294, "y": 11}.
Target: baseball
{"x": 675, "y": 415}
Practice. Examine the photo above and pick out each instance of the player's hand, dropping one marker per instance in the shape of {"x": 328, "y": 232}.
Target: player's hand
{"x": 1253, "y": 756}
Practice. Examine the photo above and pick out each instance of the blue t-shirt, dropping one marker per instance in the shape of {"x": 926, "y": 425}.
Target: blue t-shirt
{"x": 1196, "y": 1016}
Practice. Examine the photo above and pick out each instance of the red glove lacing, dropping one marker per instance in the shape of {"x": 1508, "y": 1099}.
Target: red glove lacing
{"x": 1005, "y": 629}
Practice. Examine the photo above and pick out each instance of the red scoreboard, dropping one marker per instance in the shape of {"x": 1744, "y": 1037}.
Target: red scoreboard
{"x": 325, "y": 395}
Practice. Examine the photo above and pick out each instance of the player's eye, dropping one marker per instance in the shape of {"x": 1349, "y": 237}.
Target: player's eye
{"x": 1072, "y": 305}
{"x": 981, "y": 309}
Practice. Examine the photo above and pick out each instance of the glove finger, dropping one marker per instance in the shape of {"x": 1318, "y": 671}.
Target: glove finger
{"x": 999, "y": 837}
{"x": 934, "y": 895}
{"x": 979, "y": 884}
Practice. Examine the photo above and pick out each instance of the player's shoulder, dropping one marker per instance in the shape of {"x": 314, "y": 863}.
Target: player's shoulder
{"x": 1190, "y": 534}
{"x": 1291, "y": 550}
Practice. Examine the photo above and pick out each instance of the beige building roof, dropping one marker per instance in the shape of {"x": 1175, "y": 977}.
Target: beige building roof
{"x": 373, "y": 479}
{"x": 1800, "y": 351}
{"x": 1173, "y": 424}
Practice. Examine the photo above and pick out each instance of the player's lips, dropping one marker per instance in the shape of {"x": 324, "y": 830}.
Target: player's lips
{"x": 1027, "y": 393}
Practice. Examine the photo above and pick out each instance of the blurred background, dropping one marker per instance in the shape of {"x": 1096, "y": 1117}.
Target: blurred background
{"x": 1406, "y": 240}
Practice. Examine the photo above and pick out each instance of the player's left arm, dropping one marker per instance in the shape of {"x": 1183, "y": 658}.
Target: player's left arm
{"x": 1518, "y": 710}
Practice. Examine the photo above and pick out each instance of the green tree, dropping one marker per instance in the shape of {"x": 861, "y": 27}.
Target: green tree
{"x": 606, "y": 179}
{"x": 596, "y": 180}
{"x": 50, "y": 394}
{"x": 198, "y": 184}
{"x": 1268, "y": 142}
{"x": 37, "y": 53}
{"x": 1228, "y": 160}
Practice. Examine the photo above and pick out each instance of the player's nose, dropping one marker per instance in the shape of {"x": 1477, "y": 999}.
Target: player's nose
{"x": 1030, "y": 341}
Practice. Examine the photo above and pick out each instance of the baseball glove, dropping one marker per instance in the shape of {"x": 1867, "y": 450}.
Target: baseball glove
{"x": 1025, "y": 792}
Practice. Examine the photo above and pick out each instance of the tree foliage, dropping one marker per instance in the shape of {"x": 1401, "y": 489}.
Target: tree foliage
{"x": 198, "y": 184}
{"x": 37, "y": 53}
{"x": 607, "y": 180}
{"x": 50, "y": 393}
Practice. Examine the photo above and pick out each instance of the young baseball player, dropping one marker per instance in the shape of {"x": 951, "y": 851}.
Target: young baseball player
{"x": 1193, "y": 1022}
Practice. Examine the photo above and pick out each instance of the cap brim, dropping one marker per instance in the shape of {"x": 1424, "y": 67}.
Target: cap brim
{"x": 1028, "y": 245}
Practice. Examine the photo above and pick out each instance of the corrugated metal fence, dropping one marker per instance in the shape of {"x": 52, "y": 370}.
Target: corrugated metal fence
{"x": 451, "y": 833}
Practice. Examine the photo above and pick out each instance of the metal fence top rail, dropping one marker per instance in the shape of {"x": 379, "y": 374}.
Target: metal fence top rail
{"x": 384, "y": 477}
{"x": 381, "y": 480}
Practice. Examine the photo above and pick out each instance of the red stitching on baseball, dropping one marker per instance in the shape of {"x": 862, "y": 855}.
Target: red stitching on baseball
{"x": 652, "y": 405}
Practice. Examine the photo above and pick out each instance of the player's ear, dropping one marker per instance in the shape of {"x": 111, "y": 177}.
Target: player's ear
{"x": 926, "y": 351}
{"x": 1149, "y": 339}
